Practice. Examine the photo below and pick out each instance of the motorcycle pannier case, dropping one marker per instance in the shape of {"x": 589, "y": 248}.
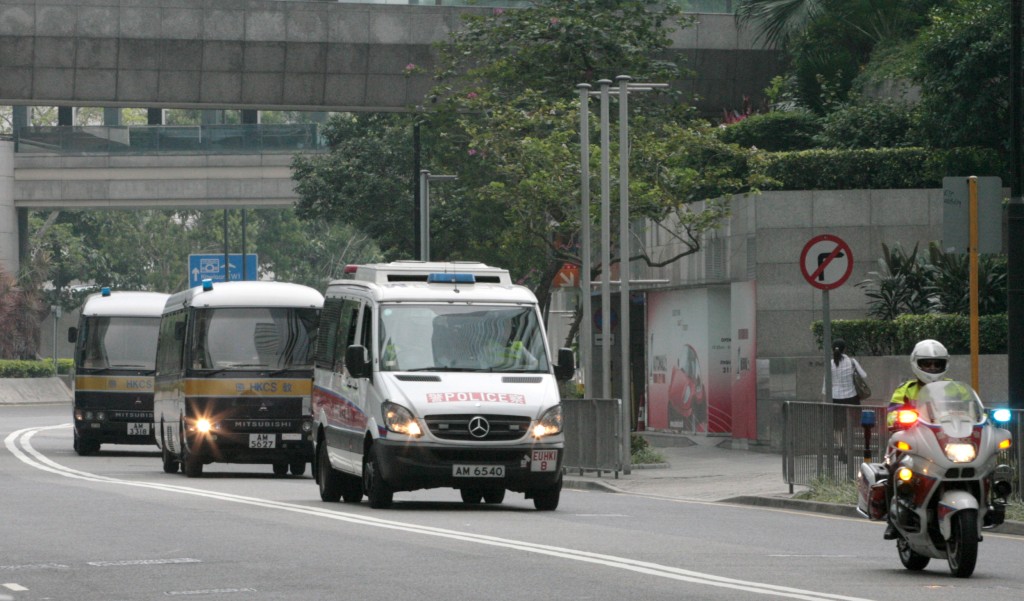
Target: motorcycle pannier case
{"x": 871, "y": 483}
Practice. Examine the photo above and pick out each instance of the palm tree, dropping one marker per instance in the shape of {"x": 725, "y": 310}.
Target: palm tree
{"x": 778, "y": 21}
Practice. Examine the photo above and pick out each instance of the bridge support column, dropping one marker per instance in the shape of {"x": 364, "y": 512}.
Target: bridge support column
{"x": 8, "y": 214}
{"x": 111, "y": 116}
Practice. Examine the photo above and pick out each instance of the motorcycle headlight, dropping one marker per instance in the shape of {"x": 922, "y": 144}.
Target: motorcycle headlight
{"x": 400, "y": 420}
{"x": 549, "y": 424}
{"x": 959, "y": 452}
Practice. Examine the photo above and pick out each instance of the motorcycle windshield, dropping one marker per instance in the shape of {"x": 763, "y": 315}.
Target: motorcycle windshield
{"x": 949, "y": 401}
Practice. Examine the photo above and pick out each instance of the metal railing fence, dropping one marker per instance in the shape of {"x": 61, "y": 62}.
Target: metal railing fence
{"x": 181, "y": 139}
{"x": 826, "y": 442}
{"x": 593, "y": 435}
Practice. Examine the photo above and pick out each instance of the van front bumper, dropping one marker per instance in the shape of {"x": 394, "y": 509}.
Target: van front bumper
{"x": 407, "y": 466}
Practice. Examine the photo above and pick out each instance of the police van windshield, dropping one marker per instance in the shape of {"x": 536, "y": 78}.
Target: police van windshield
{"x": 253, "y": 338}
{"x": 461, "y": 338}
{"x": 118, "y": 343}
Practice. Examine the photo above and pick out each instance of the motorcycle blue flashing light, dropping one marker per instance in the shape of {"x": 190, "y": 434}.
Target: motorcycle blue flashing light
{"x": 451, "y": 278}
{"x": 867, "y": 418}
{"x": 105, "y": 291}
{"x": 207, "y": 285}
{"x": 1001, "y": 415}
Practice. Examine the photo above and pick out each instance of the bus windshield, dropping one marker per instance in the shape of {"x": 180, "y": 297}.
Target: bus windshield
{"x": 254, "y": 337}
{"x": 119, "y": 342}
{"x": 428, "y": 337}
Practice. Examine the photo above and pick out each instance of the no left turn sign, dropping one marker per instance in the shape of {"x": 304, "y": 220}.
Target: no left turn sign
{"x": 826, "y": 262}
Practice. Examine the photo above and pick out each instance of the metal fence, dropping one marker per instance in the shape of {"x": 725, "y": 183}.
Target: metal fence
{"x": 593, "y": 435}
{"x": 823, "y": 441}
{"x": 186, "y": 139}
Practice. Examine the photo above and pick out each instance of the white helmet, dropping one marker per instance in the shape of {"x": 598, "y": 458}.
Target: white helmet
{"x": 929, "y": 360}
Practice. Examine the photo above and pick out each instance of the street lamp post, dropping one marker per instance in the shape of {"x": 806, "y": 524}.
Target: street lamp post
{"x": 425, "y": 179}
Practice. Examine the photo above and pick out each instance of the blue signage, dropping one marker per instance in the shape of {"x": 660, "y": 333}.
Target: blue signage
{"x": 211, "y": 267}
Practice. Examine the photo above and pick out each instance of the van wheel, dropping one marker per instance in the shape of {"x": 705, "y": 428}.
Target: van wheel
{"x": 280, "y": 469}
{"x": 329, "y": 478}
{"x": 494, "y": 496}
{"x": 171, "y": 463}
{"x": 546, "y": 499}
{"x": 377, "y": 491}
{"x": 471, "y": 496}
{"x": 298, "y": 468}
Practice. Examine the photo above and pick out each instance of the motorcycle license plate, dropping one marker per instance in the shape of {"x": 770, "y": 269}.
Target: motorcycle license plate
{"x": 135, "y": 429}
{"x": 478, "y": 471}
{"x": 262, "y": 441}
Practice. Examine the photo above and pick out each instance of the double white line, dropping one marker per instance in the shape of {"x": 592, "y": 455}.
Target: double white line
{"x": 19, "y": 443}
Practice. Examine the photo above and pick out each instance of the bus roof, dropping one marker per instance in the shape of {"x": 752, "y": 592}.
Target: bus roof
{"x": 125, "y": 304}
{"x": 247, "y": 294}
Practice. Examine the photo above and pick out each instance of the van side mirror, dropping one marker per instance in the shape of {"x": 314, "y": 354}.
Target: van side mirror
{"x": 566, "y": 366}
{"x": 179, "y": 331}
{"x": 72, "y": 334}
{"x": 357, "y": 360}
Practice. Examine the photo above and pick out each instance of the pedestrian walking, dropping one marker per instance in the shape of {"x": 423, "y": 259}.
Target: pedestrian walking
{"x": 844, "y": 391}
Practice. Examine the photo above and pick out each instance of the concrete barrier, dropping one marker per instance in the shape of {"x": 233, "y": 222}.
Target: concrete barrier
{"x": 15, "y": 391}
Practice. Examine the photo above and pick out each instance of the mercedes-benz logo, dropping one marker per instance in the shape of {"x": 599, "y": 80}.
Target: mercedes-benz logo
{"x": 479, "y": 427}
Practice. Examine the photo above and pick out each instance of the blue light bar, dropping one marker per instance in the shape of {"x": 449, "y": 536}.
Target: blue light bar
{"x": 207, "y": 284}
{"x": 1001, "y": 415}
{"x": 451, "y": 278}
{"x": 105, "y": 291}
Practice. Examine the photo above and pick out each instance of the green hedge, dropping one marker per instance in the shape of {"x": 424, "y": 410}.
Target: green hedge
{"x": 775, "y": 131}
{"x": 873, "y": 168}
{"x": 898, "y": 337}
{"x": 43, "y": 368}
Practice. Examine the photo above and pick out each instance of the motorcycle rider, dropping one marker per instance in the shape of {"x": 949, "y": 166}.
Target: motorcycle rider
{"x": 928, "y": 361}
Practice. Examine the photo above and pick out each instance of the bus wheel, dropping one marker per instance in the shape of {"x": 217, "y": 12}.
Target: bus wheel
{"x": 298, "y": 468}
{"x": 377, "y": 490}
{"x": 171, "y": 463}
{"x": 280, "y": 469}
{"x": 192, "y": 465}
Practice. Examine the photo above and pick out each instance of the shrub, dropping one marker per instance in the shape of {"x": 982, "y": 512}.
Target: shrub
{"x": 898, "y": 336}
{"x": 775, "y": 131}
{"x": 871, "y": 124}
{"x": 20, "y": 368}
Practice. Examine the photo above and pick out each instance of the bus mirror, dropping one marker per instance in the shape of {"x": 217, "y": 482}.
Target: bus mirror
{"x": 179, "y": 331}
{"x": 566, "y": 366}
{"x": 357, "y": 361}
{"x": 72, "y": 335}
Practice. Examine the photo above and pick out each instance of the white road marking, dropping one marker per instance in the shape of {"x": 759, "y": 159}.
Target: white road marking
{"x": 14, "y": 586}
{"x": 19, "y": 444}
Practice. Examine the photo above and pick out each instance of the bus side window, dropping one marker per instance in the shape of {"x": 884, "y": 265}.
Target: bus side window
{"x": 171, "y": 346}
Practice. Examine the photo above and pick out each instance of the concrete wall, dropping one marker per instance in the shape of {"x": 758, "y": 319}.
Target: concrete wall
{"x": 265, "y": 54}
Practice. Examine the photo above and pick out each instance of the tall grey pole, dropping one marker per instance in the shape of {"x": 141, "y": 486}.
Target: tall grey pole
{"x": 424, "y": 215}
{"x": 826, "y": 341}
{"x": 606, "y": 294}
{"x": 624, "y": 364}
{"x": 586, "y": 337}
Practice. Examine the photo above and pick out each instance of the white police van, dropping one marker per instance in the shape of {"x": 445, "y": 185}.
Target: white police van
{"x": 436, "y": 375}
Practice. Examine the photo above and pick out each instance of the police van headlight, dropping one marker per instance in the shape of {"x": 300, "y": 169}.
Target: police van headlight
{"x": 400, "y": 420}
{"x": 549, "y": 424}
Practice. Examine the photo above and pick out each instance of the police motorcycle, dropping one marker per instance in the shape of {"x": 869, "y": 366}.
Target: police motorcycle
{"x": 940, "y": 484}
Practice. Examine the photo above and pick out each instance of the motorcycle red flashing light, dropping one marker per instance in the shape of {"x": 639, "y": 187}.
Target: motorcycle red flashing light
{"x": 906, "y": 417}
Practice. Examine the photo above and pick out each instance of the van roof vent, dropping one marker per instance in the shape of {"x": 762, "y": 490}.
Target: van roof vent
{"x": 452, "y": 272}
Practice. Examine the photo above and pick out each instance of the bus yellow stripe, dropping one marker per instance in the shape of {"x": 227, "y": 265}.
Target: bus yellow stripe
{"x": 114, "y": 383}
{"x": 248, "y": 387}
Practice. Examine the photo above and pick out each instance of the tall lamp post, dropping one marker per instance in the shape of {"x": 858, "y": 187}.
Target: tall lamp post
{"x": 1015, "y": 224}
{"x": 425, "y": 178}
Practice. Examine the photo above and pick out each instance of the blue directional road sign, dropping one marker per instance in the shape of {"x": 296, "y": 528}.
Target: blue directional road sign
{"x": 211, "y": 267}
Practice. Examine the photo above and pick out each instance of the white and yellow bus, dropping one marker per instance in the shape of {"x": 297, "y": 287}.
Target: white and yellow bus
{"x": 115, "y": 349}
{"x": 234, "y": 369}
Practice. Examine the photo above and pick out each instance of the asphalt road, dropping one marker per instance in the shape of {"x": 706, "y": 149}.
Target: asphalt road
{"x": 115, "y": 527}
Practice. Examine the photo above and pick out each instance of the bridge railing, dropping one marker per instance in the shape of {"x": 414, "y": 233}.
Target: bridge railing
{"x": 693, "y": 6}
{"x": 181, "y": 139}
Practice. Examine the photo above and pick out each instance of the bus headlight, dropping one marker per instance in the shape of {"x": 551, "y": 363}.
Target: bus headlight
{"x": 549, "y": 424}
{"x": 203, "y": 425}
{"x": 400, "y": 420}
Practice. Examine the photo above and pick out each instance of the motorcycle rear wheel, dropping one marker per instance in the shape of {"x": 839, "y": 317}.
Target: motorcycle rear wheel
{"x": 912, "y": 560}
{"x": 962, "y": 546}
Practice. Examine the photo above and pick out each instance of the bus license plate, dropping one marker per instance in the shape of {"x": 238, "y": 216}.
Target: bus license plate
{"x": 138, "y": 429}
{"x": 478, "y": 471}
{"x": 262, "y": 441}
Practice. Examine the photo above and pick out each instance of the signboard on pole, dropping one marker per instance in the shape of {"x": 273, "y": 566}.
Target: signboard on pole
{"x": 211, "y": 267}
{"x": 826, "y": 262}
{"x": 956, "y": 215}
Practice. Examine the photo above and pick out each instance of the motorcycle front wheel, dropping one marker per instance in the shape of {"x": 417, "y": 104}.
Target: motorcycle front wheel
{"x": 962, "y": 546}
{"x": 912, "y": 560}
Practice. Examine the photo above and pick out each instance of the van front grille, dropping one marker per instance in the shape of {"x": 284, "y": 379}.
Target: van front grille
{"x": 484, "y": 427}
